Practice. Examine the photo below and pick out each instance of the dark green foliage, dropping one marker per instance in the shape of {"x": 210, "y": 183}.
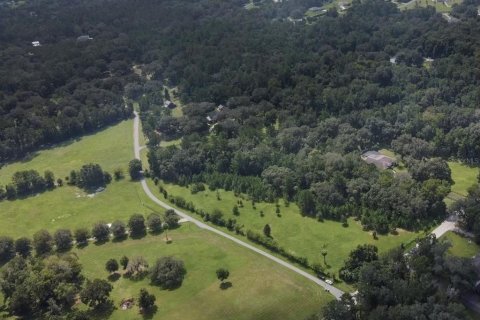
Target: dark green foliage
{"x": 81, "y": 236}
{"x": 145, "y": 300}
{"x": 101, "y": 231}
{"x": 90, "y": 176}
{"x": 42, "y": 242}
{"x": 168, "y": 273}
{"x": 124, "y": 262}
{"x": 63, "y": 239}
{"x": 235, "y": 210}
{"x": 357, "y": 258}
{"x": 136, "y": 225}
{"x": 7, "y": 249}
{"x": 469, "y": 212}
{"x": 222, "y": 274}
{"x": 154, "y": 222}
{"x": 400, "y": 286}
{"x": 111, "y": 265}
{"x": 23, "y": 247}
{"x": 118, "y": 229}
{"x": 134, "y": 169}
{"x": 267, "y": 231}
{"x": 96, "y": 293}
{"x": 171, "y": 219}
{"x": 41, "y": 288}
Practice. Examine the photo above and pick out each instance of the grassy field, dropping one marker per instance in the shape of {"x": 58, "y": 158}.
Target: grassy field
{"x": 461, "y": 246}
{"x": 69, "y": 206}
{"x": 464, "y": 177}
{"x": 300, "y": 235}
{"x": 261, "y": 289}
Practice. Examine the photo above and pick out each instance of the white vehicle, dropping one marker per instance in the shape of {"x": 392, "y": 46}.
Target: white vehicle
{"x": 330, "y": 282}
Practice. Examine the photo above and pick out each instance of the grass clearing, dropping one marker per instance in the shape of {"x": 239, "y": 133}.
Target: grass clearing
{"x": 301, "y": 235}
{"x": 464, "y": 177}
{"x": 261, "y": 289}
{"x": 461, "y": 246}
{"x": 70, "y": 207}
{"x": 440, "y": 6}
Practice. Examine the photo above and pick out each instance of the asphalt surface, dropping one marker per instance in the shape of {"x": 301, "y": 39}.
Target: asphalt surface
{"x": 337, "y": 293}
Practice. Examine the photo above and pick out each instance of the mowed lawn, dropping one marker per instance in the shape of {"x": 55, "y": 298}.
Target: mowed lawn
{"x": 464, "y": 177}
{"x": 461, "y": 246}
{"x": 300, "y": 235}
{"x": 70, "y": 207}
{"x": 261, "y": 289}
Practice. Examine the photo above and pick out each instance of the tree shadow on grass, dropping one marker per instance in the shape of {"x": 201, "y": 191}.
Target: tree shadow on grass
{"x": 100, "y": 242}
{"x": 139, "y": 235}
{"x": 120, "y": 239}
{"x": 226, "y": 285}
{"x": 150, "y": 312}
{"x": 114, "y": 277}
{"x": 82, "y": 245}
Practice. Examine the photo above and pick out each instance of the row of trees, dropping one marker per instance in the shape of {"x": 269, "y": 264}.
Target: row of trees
{"x": 27, "y": 182}
{"x": 63, "y": 239}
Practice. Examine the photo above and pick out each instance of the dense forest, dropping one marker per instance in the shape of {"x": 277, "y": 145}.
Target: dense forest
{"x": 299, "y": 101}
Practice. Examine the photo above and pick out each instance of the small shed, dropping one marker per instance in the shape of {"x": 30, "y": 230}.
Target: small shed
{"x": 84, "y": 38}
{"x": 36, "y": 43}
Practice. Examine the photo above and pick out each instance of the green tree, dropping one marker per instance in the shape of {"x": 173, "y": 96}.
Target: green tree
{"x": 101, "y": 231}
{"x": 7, "y": 249}
{"x": 267, "y": 231}
{"x": 135, "y": 169}
{"x": 81, "y": 236}
{"x": 171, "y": 218}
{"x": 306, "y": 202}
{"x": 63, "y": 239}
{"x": 96, "y": 293}
{"x": 222, "y": 274}
{"x": 124, "y": 262}
{"x": 23, "y": 246}
{"x": 145, "y": 300}
{"x": 42, "y": 242}
{"x": 324, "y": 254}
{"x": 49, "y": 179}
{"x": 235, "y": 210}
{"x": 136, "y": 224}
{"x": 168, "y": 273}
{"x": 111, "y": 266}
{"x": 154, "y": 222}
{"x": 118, "y": 230}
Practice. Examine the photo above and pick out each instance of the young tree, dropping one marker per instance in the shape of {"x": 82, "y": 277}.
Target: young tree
{"x": 154, "y": 222}
{"x": 111, "y": 266}
{"x": 7, "y": 249}
{"x": 134, "y": 169}
{"x": 168, "y": 273}
{"x": 222, "y": 274}
{"x": 118, "y": 174}
{"x": 96, "y": 293}
{"x": 42, "y": 242}
{"x": 49, "y": 179}
{"x": 81, "y": 236}
{"x": 235, "y": 210}
{"x": 118, "y": 230}
{"x": 23, "y": 246}
{"x": 101, "y": 231}
{"x": 171, "y": 218}
{"x": 145, "y": 300}
{"x": 124, "y": 262}
{"x": 324, "y": 254}
{"x": 267, "y": 231}
{"x": 63, "y": 239}
{"x": 136, "y": 224}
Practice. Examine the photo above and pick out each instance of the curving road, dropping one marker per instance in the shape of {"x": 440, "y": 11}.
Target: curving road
{"x": 136, "y": 147}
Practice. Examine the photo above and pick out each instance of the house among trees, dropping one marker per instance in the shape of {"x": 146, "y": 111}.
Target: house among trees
{"x": 213, "y": 116}
{"x": 379, "y": 160}
{"x": 169, "y": 104}
{"x": 36, "y": 43}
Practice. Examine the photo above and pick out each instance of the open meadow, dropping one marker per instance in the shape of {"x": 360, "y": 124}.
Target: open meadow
{"x": 302, "y": 236}
{"x": 261, "y": 289}
{"x": 68, "y": 206}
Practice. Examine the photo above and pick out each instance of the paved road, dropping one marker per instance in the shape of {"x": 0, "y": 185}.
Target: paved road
{"x": 136, "y": 146}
